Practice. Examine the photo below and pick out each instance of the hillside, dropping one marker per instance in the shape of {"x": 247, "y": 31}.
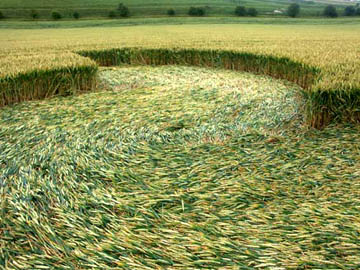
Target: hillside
{"x": 101, "y": 8}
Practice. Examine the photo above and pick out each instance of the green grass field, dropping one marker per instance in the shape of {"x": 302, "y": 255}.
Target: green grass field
{"x": 88, "y": 8}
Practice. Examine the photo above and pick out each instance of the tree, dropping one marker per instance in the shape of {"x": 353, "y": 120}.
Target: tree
{"x": 112, "y": 14}
{"x": 201, "y": 11}
{"x": 240, "y": 11}
{"x": 171, "y": 12}
{"x": 56, "y": 15}
{"x": 293, "y": 10}
{"x": 123, "y": 10}
{"x": 252, "y": 12}
{"x": 350, "y": 11}
{"x": 357, "y": 13}
{"x": 76, "y": 15}
{"x": 2, "y": 16}
{"x": 196, "y": 11}
{"x": 330, "y": 11}
{"x": 34, "y": 14}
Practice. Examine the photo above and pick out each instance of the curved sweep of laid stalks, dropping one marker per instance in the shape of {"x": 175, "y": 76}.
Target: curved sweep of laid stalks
{"x": 177, "y": 168}
{"x": 322, "y": 106}
{"x": 282, "y": 68}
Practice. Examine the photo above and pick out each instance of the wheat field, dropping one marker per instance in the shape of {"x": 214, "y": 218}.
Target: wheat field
{"x": 151, "y": 147}
{"x": 331, "y": 49}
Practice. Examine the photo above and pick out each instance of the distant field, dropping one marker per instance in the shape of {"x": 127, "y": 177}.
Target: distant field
{"x": 88, "y": 8}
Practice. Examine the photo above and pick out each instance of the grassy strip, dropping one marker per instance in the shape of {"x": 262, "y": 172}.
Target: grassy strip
{"x": 9, "y": 24}
{"x": 40, "y": 84}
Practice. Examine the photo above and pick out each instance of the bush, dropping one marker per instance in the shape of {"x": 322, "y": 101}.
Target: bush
{"x": 357, "y": 12}
{"x": 350, "y": 11}
{"x": 196, "y": 11}
{"x": 330, "y": 11}
{"x": 112, "y": 14}
{"x": 123, "y": 10}
{"x": 252, "y": 12}
{"x": 76, "y": 15}
{"x": 2, "y": 16}
{"x": 171, "y": 12}
{"x": 240, "y": 11}
{"x": 56, "y": 15}
{"x": 293, "y": 10}
{"x": 34, "y": 14}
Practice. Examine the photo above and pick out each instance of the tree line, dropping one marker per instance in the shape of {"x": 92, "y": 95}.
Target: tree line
{"x": 293, "y": 10}
{"x": 329, "y": 11}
